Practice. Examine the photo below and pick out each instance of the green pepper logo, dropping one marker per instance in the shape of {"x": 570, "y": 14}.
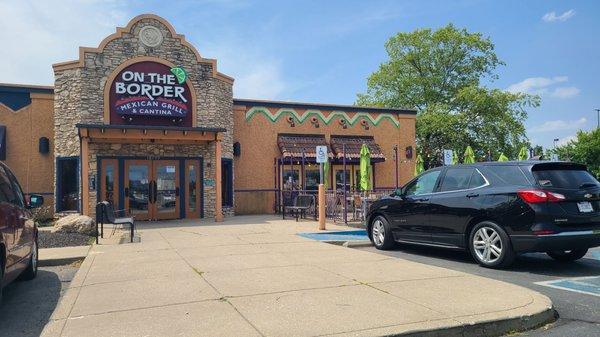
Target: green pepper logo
{"x": 180, "y": 74}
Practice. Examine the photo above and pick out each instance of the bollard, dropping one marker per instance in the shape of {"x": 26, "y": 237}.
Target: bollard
{"x": 321, "y": 207}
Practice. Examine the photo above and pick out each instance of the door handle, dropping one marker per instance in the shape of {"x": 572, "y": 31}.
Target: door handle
{"x": 155, "y": 191}
{"x": 472, "y": 195}
{"x": 422, "y": 199}
{"x": 176, "y": 191}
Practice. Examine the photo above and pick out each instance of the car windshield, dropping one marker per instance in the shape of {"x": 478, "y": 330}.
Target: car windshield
{"x": 565, "y": 178}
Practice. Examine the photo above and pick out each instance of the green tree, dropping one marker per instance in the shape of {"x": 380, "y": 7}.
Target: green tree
{"x": 439, "y": 73}
{"x": 585, "y": 149}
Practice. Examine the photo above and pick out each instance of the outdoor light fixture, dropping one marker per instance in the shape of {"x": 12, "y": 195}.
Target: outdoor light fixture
{"x": 365, "y": 124}
{"x": 237, "y": 149}
{"x": 408, "y": 152}
{"x": 315, "y": 122}
{"x": 343, "y": 124}
{"x": 44, "y": 145}
{"x": 290, "y": 120}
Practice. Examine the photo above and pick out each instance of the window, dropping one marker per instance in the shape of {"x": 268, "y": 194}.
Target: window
{"x": 312, "y": 179}
{"x": 227, "y": 181}
{"x": 7, "y": 192}
{"x": 291, "y": 179}
{"x": 67, "y": 184}
{"x": 477, "y": 180}
{"x": 564, "y": 178}
{"x": 510, "y": 175}
{"x": 339, "y": 180}
{"x": 424, "y": 184}
{"x": 456, "y": 179}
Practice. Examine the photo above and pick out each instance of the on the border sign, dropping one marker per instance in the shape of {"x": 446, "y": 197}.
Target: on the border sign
{"x": 150, "y": 90}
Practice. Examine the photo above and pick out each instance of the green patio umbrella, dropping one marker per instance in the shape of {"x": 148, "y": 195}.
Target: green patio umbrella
{"x": 455, "y": 157}
{"x": 469, "y": 155}
{"x": 419, "y": 165}
{"x": 365, "y": 163}
{"x": 523, "y": 153}
{"x": 502, "y": 157}
{"x": 326, "y": 173}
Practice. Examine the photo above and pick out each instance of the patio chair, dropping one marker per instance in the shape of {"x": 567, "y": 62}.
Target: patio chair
{"x": 108, "y": 214}
{"x": 302, "y": 203}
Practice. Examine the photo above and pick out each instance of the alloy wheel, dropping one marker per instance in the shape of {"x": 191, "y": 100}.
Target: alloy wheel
{"x": 378, "y": 232}
{"x": 487, "y": 244}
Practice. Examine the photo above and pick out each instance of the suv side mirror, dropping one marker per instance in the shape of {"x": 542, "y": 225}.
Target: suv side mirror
{"x": 35, "y": 201}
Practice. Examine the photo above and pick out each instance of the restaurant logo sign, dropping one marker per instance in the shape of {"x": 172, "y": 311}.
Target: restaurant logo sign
{"x": 151, "y": 89}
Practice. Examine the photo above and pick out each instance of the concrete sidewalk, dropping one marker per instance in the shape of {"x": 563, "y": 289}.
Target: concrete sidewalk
{"x": 62, "y": 255}
{"x": 253, "y": 276}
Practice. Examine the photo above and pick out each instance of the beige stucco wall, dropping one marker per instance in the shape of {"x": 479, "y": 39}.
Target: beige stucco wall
{"x": 254, "y": 168}
{"x": 24, "y": 128}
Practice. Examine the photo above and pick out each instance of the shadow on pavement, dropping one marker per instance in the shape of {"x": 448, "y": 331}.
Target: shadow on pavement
{"x": 534, "y": 263}
{"x": 27, "y": 305}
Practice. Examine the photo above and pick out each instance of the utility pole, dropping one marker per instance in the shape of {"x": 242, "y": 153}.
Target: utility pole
{"x": 598, "y": 112}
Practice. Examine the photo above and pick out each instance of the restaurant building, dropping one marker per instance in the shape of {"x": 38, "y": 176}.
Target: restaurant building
{"x": 146, "y": 122}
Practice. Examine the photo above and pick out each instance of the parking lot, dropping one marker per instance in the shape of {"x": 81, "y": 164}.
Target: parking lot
{"x": 28, "y": 306}
{"x": 574, "y": 288}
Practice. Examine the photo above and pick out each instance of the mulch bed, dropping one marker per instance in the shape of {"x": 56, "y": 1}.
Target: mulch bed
{"x": 46, "y": 239}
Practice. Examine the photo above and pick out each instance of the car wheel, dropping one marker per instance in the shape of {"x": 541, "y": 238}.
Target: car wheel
{"x": 381, "y": 233}
{"x": 31, "y": 271}
{"x": 567, "y": 255}
{"x": 490, "y": 245}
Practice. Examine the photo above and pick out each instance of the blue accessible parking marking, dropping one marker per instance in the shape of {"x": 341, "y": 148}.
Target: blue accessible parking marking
{"x": 585, "y": 285}
{"x": 354, "y": 235}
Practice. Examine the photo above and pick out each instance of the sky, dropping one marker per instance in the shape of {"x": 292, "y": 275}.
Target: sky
{"x": 323, "y": 51}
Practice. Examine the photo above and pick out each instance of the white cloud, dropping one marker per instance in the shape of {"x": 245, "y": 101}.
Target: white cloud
{"x": 565, "y": 92}
{"x": 544, "y": 86}
{"x": 566, "y": 140}
{"x": 557, "y": 125}
{"x": 40, "y": 33}
{"x": 552, "y": 17}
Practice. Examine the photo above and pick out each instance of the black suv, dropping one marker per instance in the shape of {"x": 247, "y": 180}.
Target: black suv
{"x": 495, "y": 210}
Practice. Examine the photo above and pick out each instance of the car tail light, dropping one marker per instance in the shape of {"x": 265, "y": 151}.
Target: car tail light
{"x": 537, "y": 196}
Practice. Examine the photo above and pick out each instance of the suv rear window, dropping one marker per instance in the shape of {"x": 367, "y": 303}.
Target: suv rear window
{"x": 566, "y": 178}
{"x": 510, "y": 175}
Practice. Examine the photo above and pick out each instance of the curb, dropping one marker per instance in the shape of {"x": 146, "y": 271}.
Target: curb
{"x": 490, "y": 328}
{"x": 59, "y": 262}
{"x": 350, "y": 244}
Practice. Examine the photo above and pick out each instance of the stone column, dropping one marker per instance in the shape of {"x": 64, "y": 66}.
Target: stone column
{"x": 218, "y": 196}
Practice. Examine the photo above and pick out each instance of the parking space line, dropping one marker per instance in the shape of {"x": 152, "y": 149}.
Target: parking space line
{"x": 585, "y": 285}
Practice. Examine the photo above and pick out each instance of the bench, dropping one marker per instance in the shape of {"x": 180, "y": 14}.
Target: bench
{"x": 106, "y": 213}
{"x": 300, "y": 205}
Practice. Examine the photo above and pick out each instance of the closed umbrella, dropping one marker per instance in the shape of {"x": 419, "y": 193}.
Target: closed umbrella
{"x": 523, "y": 153}
{"x": 454, "y": 157}
{"x": 419, "y": 165}
{"x": 469, "y": 156}
{"x": 365, "y": 162}
{"x": 326, "y": 173}
{"x": 502, "y": 157}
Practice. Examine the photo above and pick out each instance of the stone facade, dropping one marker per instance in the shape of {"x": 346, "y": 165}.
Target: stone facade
{"x": 79, "y": 97}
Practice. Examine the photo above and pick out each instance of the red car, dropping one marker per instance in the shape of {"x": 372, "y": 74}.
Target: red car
{"x": 18, "y": 231}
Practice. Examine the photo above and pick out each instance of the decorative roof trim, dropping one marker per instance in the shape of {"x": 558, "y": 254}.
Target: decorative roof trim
{"x": 273, "y": 117}
{"x": 80, "y": 63}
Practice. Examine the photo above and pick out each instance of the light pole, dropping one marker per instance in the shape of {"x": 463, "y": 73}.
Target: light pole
{"x": 598, "y": 112}
{"x": 555, "y": 140}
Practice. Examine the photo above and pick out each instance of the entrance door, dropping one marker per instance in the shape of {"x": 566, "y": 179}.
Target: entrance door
{"x": 137, "y": 188}
{"x": 152, "y": 189}
{"x": 193, "y": 194}
{"x": 165, "y": 186}
{"x": 109, "y": 180}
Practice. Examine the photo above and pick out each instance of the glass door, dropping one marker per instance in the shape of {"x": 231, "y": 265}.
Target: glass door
{"x": 165, "y": 195}
{"x": 193, "y": 197}
{"x": 137, "y": 188}
{"x": 109, "y": 181}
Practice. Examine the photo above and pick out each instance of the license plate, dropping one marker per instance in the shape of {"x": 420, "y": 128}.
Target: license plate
{"x": 585, "y": 207}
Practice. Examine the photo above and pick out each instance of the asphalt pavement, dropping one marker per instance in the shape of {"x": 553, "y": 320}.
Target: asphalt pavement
{"x": 579, "y": 312}
{"x": 28, "y": 305}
